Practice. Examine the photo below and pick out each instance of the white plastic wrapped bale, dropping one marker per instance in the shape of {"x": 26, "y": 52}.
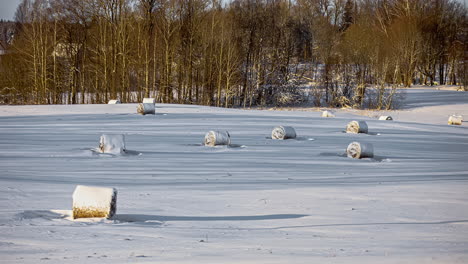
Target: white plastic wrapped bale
{"x": 149, "y": 100}
{"x": 114, "y": 102}
{"x": 455, "y": 120}
{"x": 89, "y": 201}
{"x": 113, "y": 144}
{"x": 146, "y": 109}
{"x": 358, "y": 150}
{"x": 283, "y": 132}
{"x": 327, "y": 114}
{"x": 385, "y": 118}
{"x": 357, "y": 127}
{"x": 214, "y": 138}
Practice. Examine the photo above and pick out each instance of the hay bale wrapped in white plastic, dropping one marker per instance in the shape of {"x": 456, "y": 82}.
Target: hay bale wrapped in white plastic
{"x": 455, "y": 120}
{"x": 114, "y": 102}
{"x": 357, "y": 127}
{"x": 214, "y": 138}
{"x": 146, "y": 109}
{"x": 385, "y": 118}
{"x": 359, "y": 150}
{"x": 90, "y": 201}
{"x": 149, "y": 100}
{"x": 283, "y": 132}
{"x": 327, "y": 114}
{"x": 113, "y": 144}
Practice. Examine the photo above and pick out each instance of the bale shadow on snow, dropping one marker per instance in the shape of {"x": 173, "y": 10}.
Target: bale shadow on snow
{"x": 344, "y": 155}
{"x": 157, "y": 219}
{"x": 293, "y": 139}
{"x": 368, "y": 133}
{"x": 127, "y": 152}
{"x": 42, "y": 214}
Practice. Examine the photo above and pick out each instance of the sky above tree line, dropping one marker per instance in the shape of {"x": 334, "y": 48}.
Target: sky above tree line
{"x": 8, "y": 8}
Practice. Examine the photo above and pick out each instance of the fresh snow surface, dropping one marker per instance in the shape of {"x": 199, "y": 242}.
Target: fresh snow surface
{"x": 256, "y": 201}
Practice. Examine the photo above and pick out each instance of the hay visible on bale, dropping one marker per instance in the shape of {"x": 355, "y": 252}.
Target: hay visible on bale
{"x": 114, "y": 144}
{"x": 114, "y": 102}
{"x": 455, "y": 120}
{"x": 146, "y": 109}
{"x": 385, "y": 118}
{"x": 149, "y": 100}
{"x": 283, "y": 132}
{"x": 357, "y": 150}
{"x": 327, "y": 114}
{"x": 89, "y": 201}
{"x": 357, "y": 127}
{"x": 214, "y": 138}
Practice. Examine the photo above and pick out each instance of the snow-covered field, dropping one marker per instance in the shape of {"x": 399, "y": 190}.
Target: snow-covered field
{"x": 258, "y": 201}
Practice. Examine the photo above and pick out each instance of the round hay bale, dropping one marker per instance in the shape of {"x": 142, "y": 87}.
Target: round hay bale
{"x": 358, "y": 150}
{"x": 90, "y": 201}
{"x": 113, "y": 144}
{"x": 214, "y": 138}
{"x": 149, "y": 100}
{"x": 385, "y": 118}
{"x": 327, "y": 114}
{"x": 283, "y": 132}
{"x": 114, "y": 102}
{"x": 357, "y": 127}
{"x": 455, "y": 120}
{"x": 146, "y": 109}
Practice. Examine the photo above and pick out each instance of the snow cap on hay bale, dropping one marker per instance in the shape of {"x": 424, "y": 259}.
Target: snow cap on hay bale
{"x": 114, "y": 144}
{"x": 357, "y": 127}
{"x": 327, "y": 114}
{"x": 149, "y": 100}
{"x": 214, "y": 138}
{"x": 385, "y": 118}
{"x": 146, "y": 109}
{"x": 455, "y": 120}
{"x": 114, "y": 102}
{"x": 89, "y": 201}
{"x": 283, "y": 132}
{"x": 358, "y": 150}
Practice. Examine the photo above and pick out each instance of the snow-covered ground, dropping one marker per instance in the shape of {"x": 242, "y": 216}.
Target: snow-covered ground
{"x": 258, "y": 201}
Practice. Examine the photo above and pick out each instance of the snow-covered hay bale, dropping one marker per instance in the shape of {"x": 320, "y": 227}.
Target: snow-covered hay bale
{"x": 113, "y": 144}
{"x": 283, "y": 132}
{"x": 214, "y": 138}
{"x": 455, "y": 120}
{"x": 146, "y": 109}
{"x": 149, "y": 100}
{"x": 114, "y": 102}
{"x": 327, "y": 114}
{"x": 385, "y": 118}
{"x": 358, "y": 150}
{"x": 91, "y": 201}
{"x": 357, "y": 127}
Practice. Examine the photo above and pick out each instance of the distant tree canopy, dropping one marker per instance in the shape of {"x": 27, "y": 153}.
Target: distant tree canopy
{"x": 239, "y": 53}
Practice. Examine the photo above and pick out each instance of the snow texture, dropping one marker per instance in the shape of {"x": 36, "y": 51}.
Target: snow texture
{"x": 283, "y": 132}
{"x": 272, "y": 201}
{"x": 90, "y": 201}
{"x": 114, "y": 102}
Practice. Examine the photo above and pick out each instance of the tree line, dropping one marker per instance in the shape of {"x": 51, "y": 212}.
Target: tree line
{"x": 338, "y": 53}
